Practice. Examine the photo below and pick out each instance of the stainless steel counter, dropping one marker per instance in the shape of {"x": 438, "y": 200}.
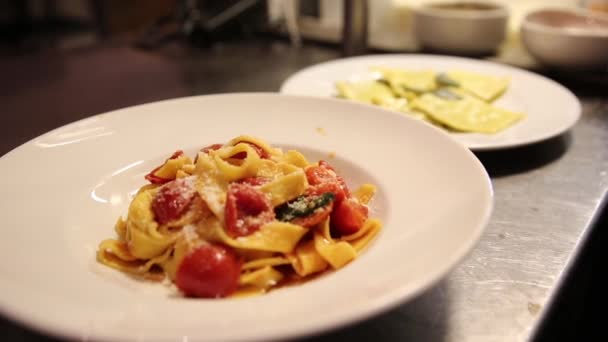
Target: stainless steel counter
{"x": 547, "y": 196}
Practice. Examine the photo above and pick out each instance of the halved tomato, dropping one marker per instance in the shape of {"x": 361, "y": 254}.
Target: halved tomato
{"x": 348, "y": 217}
{"x": 247, "y": 209}
{"x": 323, "y": 178}
{"x": 172, "y": 200}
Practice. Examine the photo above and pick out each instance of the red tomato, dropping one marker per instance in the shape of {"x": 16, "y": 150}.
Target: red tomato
{"x": 332, "y": 187}
{"x": 247, "y": 209}
{"x": 325, "y": 178}
{"x": 341, "y": 181}
{"x": 172, "y": 200}
{"x": 159, "y": 180}
{"x": 260, "y": 151}
{"x": 319, "y": 175}
{"x": 348, "y": 217}
{"x": 315, "y": 218}
{"x": 343, "y": 186}
{"x": 209, "y": 271}
{"x": 254, "y": 181}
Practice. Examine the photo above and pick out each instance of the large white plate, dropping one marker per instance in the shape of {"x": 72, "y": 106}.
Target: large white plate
{"x": 64, "y": 190}
{"x": 551, "y": 109}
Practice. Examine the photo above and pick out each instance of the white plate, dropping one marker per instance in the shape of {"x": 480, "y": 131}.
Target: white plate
{"x": 551, "y": 109}
{"x": 64, "y": 190}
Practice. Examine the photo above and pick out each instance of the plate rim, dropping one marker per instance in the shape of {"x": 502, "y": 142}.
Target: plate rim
{"x": 576, "y": 113}
{"x": 381, "y": 304}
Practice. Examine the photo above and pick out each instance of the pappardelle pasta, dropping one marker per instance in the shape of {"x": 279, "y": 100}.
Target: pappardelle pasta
{"x": 240, "y": 218}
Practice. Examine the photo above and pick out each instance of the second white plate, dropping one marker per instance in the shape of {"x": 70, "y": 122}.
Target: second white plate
{"x": 550, "y": 108}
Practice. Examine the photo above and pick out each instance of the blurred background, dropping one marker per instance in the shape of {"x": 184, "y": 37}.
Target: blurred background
{"x": 27, "y": 25}
{"x": 116, "y": 53}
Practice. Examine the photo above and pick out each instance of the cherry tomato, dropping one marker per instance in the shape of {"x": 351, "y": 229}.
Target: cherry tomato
{"x": 319, "y": 175}
{"x": 348, "y": 217}
{"x": 172, "y": 200}
{"x": 209, "y": 271}
{"x": 260, "y": 151}
{"x": 247, "y": 209}
{"x": 324, "y": 178}
{"x": 318, "y": 216}
{"x": 160, "y": 180}
{"x": 341, "y": 181}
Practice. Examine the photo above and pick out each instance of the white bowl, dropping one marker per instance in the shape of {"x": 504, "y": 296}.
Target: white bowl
{"x": 452, "y": 27}
{"x": 53, "y": 224}
{"x": 567, "y": 38}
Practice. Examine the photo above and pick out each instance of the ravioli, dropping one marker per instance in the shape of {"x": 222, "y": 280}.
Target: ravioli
{"x": 466, "y": 114}
{"x": 408, "y": 83}
{"x": 371, "y": 92}
{"x": 485, "y": 87}
{"x": 377, "y": 93}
